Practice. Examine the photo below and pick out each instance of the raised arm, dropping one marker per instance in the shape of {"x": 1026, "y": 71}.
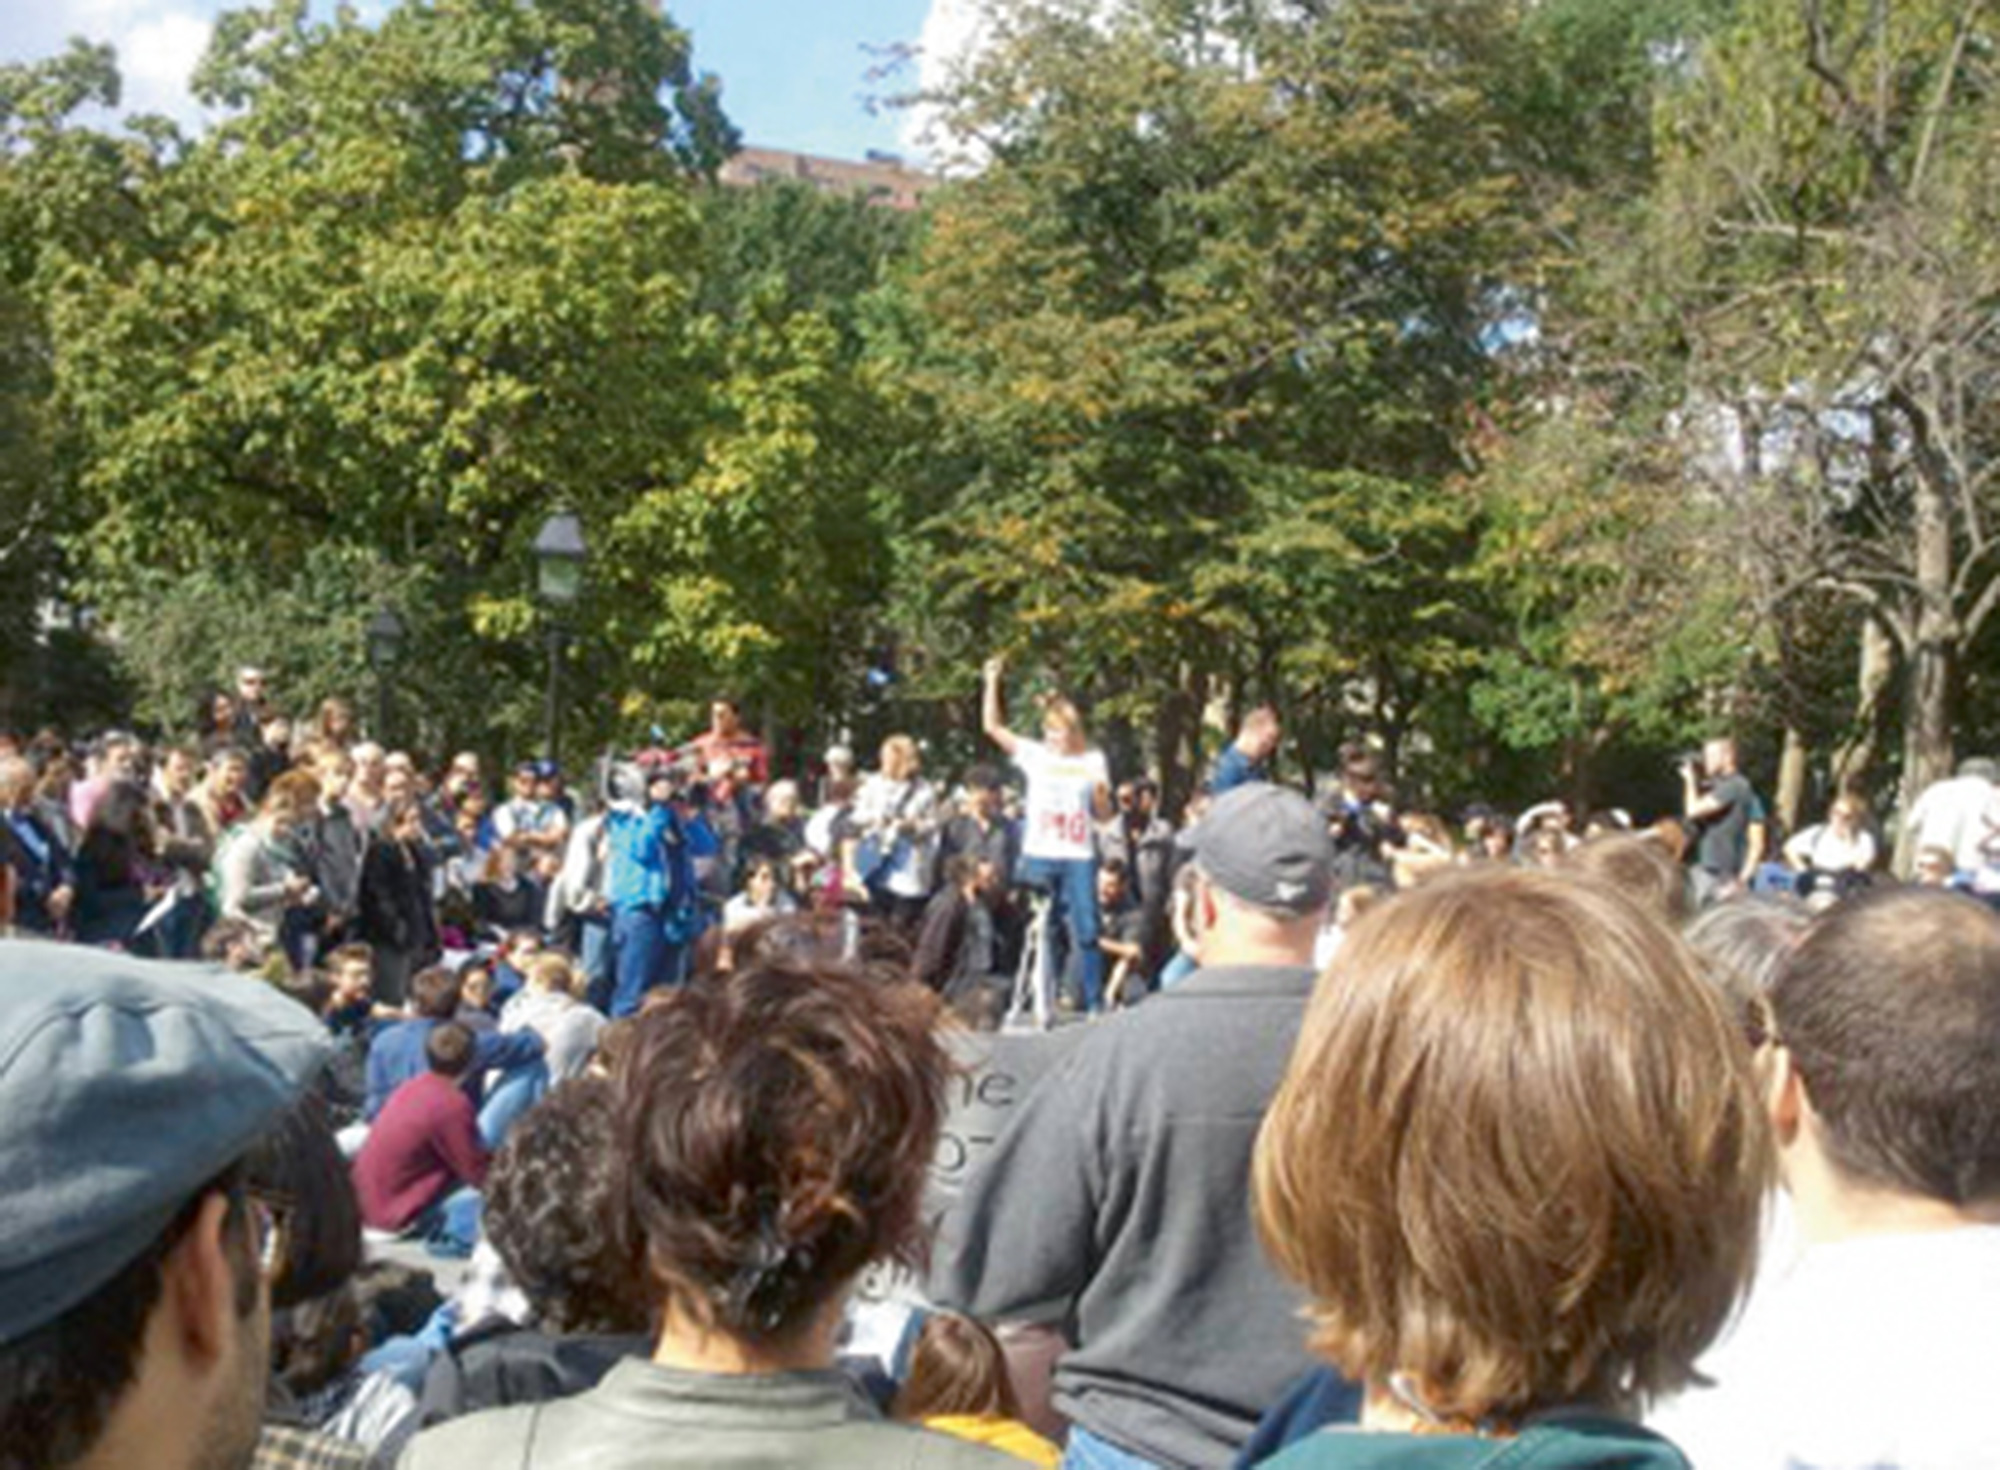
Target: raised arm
{"x": 991, "y": 715}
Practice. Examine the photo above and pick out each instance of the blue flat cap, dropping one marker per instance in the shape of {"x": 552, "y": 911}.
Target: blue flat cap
{"x": 125, "y": 1085}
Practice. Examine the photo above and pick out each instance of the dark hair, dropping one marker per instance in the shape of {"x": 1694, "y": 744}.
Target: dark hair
{"x": 120, "y": 835}
{"x": 226, "y": 934}
{"x": 551, "y": 1207}
{"x": 956, "y": 1367}
{"x": 297, "y": 1169}
{"x": 1116, "y": 868}
{"x": 60, "y": 1382}
{"x": 961, "y": 868}
{"x": 1889, "y": 1010}
{"x": 983, "y": 777}
{"x": 316, "y": 1341}
{"x": 448, "y": 1049}
{"x": 434, "y": 992}
{"x": 1639, "y": 868}
{"x": 778, "y": 1124}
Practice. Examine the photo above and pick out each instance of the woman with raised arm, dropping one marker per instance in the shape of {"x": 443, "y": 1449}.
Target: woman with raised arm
{"x": 1069, "y": 792}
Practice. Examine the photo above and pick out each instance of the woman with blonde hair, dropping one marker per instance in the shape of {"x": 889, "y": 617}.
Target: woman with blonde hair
{"x": 897, "y": 816}
{"x": 1517, "y": 1163}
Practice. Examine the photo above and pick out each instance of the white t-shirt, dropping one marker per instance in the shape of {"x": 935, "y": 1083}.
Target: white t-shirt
{"x": 1951, "y": 814}
{"x": 1870, "y": 1354}
{"x": 1059, "y": 810}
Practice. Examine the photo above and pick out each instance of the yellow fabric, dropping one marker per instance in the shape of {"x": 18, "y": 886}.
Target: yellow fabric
{"x": 1009, "y": 1436}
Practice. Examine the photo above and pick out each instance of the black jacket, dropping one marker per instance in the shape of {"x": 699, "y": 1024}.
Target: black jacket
{"x": 396, "y": 911}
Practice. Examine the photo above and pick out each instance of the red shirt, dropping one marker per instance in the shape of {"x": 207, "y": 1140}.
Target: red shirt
{"x": 742, "y": 746}
{"x": 423, "y": 1145}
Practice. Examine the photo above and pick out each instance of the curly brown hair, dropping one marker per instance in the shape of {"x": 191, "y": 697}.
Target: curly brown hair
{"x": 778, "y": 1124}
{"x": 551, "y": 1205}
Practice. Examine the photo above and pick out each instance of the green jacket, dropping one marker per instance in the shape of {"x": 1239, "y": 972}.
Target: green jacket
{"x": 1566, "y": 1443}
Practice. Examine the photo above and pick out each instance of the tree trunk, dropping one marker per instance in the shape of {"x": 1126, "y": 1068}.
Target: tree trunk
{"x": 1856, "y": 756}
{"x": 1791, "y": 794}
{"x": 1927, "y": 714}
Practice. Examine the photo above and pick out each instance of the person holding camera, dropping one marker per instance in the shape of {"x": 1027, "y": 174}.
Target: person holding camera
{"x": 1722, "y": 808}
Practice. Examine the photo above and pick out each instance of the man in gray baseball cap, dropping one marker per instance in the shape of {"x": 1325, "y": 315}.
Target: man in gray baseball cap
{"x": 134, "y": 1302}
{"x": 1117, "y": 1200}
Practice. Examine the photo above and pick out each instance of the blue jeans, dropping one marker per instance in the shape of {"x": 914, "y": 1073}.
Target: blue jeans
{"x": 450, "y": 1228}
{"x": 594, "y": 953}
{"x": 1072, "y": 886}
{"x": 642, "y": 957}
{"x": 1177, "y": 969}
{"x": 507, "y": 1097}
{"x": 1085, "y": 1451}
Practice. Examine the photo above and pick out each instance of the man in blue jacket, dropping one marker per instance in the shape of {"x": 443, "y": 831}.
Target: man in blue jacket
{"x": 647, "y": 883}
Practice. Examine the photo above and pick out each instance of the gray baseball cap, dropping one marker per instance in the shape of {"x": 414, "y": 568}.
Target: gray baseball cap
{"x": 1266, "y": 845}
{"x": 125, "y": 1086}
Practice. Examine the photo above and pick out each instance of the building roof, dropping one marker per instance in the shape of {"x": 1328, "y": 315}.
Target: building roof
{"x": 882, "y": 178}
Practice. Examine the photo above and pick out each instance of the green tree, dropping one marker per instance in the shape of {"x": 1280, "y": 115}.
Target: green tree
{"x": 1200, "y": 341}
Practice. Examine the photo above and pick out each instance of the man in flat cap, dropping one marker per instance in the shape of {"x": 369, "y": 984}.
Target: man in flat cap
{"x": 134, "y": 1257}
{"x": 1116, "y": 1203}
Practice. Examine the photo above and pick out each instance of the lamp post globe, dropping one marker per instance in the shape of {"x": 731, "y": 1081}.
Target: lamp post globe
{"x": 559, "y": 558}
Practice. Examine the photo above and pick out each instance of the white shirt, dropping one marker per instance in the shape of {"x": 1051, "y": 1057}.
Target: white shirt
{"x": 1950, "y": 814}
{"x": 878, "y": 806}
{"x": 1869, "y": 1354}
{"x": 1825, "y": 851}
{"x": 1060, "y": 807}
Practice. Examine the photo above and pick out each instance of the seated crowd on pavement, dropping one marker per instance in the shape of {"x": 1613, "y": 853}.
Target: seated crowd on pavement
{"x": 352, "y": 1117}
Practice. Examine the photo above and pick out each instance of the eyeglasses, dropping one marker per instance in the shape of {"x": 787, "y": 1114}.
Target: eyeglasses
{"x": 267, "y": 1233}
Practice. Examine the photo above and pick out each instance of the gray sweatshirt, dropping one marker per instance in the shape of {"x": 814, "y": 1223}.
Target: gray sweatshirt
{"x": 1121, "y": 1192}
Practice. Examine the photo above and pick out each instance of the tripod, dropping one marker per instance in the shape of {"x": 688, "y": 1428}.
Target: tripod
{"x": 1032, "y": 1007}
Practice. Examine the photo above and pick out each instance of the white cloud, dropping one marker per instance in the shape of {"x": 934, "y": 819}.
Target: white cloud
{"x": 953, "y": 32}
{"x": 157, "y": 56}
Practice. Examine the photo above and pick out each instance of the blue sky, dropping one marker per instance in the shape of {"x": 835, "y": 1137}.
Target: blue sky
{"x": 793, "y": 71}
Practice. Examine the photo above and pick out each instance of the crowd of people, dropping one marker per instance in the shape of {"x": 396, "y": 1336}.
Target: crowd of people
{"x": 1380, "y": 1140}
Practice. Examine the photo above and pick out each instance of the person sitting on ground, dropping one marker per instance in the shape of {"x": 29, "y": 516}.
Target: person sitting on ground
{"x": 551, "y": 1005}
{"x": 1834, "y": 857}
{"x": 1884, "y": 1091}
{"x": 754, "y": 1203}
{"x": 509, "y": 970}
{"x": 477, "y": 1011}
{"x": 1122, "y": 935}
{"x": 764, "y": 897}
{"x": 551, "y": 1202}
{"x": 316, "y": 1357}
{"x": 958, "y": 1383}
{"x": 957, "y": 944}
{"x": 507, "y": 897}
{"x": 1517, "y": 1161}
{"x": 397, "y": 1055}
{"x": 423, "y": 1163}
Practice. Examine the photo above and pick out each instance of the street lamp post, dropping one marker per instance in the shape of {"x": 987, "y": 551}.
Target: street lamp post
{"x": 385, "y": 646}
{"x": 559, "y": 554}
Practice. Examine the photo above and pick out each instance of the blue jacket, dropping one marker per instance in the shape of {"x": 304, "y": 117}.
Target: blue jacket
{"x": 397, "y": 1054}
{"x": 646, "y": 866}
{"x": 1232, "y": 769}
